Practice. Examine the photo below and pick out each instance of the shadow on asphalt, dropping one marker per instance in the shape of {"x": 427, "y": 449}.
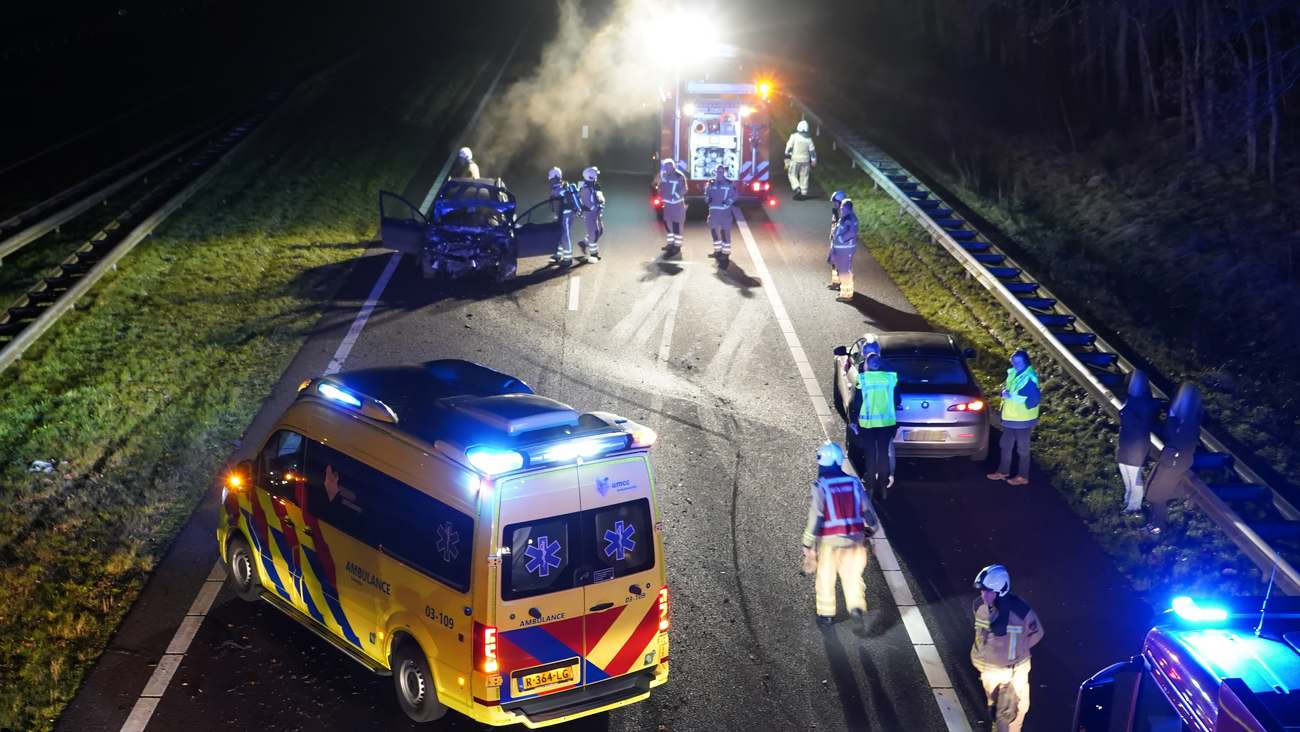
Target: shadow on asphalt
{"x": 736, "y": 276}
{"x": 886, "y": 317}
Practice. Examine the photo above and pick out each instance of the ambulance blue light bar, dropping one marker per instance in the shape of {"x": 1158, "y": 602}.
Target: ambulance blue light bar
{"x": 1187, "y": 609}
{"x": 492, "y": 461}
{"x": 335, "y": 394}
{"x": 584, "y": 448}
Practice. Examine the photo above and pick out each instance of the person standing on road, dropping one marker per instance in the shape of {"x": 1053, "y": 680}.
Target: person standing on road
{"x": 1020, "y": 399}
{"x": 465, "y": 165}
{"x": 800, "y": 159}
{"x": 844, "y": 241}
{"x": 592, "y": 201}
{"x": 1136, "y": 419}
{"x": 840, "y": 520}
{"x": 1182, "y": 435}
{"x": 564, "y": 202}
{"x": 1005, "y": 629}
{"x": 875, "y": 402}
{"x": 721, "y": 196}
{"x": 672, "y": 194}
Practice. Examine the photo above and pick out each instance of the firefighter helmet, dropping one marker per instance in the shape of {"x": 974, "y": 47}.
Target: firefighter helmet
{"x": 667, "y": 165}
{"x": 465, "y": 154}
{"x": 721, "y": 170}
{"x": 837, "y": 198}
{"x": 994, "y": 578}
{"x": 590, "y": 174}
{"x": 802, "y": 126}
{"x": 554, "y": 174}
{"x": 846, "y": 208}
{"x": 830, "y": 454}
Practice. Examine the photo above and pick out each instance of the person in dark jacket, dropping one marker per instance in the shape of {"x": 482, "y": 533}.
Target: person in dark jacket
{"x": 1136, "y": 419}
{"x": 1182, "y": 434}
{"x": 1020, "y": 399}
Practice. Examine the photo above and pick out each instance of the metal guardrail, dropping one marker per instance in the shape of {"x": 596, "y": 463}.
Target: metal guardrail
{"x": 1080, "y": 349}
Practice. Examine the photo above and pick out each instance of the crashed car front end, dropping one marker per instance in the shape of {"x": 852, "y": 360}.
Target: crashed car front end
{"x": 457, "y": 251}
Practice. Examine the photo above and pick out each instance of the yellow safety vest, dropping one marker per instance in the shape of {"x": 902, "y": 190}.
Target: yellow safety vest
{"x": 1013, "y": 406}
{"x": 877, "y": 399}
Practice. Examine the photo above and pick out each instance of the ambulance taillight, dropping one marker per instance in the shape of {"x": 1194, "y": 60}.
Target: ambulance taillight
{"x": 663, "y": 608}
{"x": 485, "y": 648}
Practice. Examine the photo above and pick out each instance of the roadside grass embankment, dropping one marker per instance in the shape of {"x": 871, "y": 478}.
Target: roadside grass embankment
{"x": 1074, "y": 444}
{"x": 138, "y": 396}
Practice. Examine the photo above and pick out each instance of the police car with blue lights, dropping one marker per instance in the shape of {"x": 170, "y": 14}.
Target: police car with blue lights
{"x": 496, "y": 552}
{"x": 1208, "y": 668}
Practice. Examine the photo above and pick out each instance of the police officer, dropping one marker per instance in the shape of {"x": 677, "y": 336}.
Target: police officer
{"x": 840, "y": 520}
{"x": 1020, "y": 399}
{"x": 1182, "y": 434}
{"x": 720, "y": 194}
{"x": 1005, "y": 629}
{"x": 1136, "y": 418}
{"x": 875, "y": 402}
{"x": 800, "y": 158}
{"x": 844, "y": 241}
{"x": 465, "y": 165}
{"x": 564, "y": 202}
{"x": 672, "y": 194}
{"x": 592, "y": 201}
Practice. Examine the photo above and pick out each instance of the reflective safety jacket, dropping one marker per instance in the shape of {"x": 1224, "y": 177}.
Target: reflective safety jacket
{"x": 1020, "y": 406}
{"x": 672, "y": 188}
{"x": 840, "y": 510}
{"x": 878, "y": 404}
{"x": 1004, "y": 633}
{"x": 800, "y": 148}
{"x": 564, "y": 198}
{"x": 720, "y": 194}
{"x": 845, "y": 233}
{"x": 465, "y": 169}
{"x": 590, "y": 197}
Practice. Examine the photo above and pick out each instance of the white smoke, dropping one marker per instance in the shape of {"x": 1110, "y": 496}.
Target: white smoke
{"x": 602, "y": 70}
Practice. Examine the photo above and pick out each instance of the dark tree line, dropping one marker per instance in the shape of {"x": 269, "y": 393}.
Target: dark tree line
{"x": 1222, "y": 70}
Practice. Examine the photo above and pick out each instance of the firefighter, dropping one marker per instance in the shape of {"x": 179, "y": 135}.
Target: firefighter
{"x": 1005, "y": 629}
{"x": 672, "y": 194}
{"x": 875, "y": 402}
{"x": 840, "y": 520}
{"x": 564, "y": 202}
{"x": 844, "y": 241}
{"x": 1182, "y": 435}
{"x": 592, "y": 201}
{"x": 720, "y": 194}
{"x": 465, "y": 165}
{"x": 1020, "y": 399}
{"x": 800, "y": 159}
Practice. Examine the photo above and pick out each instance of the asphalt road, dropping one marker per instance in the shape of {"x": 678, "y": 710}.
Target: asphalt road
{"x": 696, "y": 353}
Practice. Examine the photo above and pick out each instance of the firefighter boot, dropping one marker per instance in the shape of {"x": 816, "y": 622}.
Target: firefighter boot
{"x": 835, "y": 279}
{"x": 846, "y": 287}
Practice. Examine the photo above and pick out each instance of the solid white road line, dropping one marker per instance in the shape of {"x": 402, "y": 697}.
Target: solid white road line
{"x": 162, "y": 674}
{"x": 575, "y": 283}
{"x": 917, "y": 632}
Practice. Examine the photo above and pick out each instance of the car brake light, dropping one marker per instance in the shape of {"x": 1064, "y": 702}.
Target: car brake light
{"x": 771, "y": 202}
{"x": 972, "y": 406}
{"x": 656, "y": 202}
{"x": 485, "y": 648}
{"x": 663, "y": 608}
{"x": 757, "y": 186}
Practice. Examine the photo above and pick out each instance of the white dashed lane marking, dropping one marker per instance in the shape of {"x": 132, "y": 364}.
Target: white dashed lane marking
{"x": 575, "y": 283}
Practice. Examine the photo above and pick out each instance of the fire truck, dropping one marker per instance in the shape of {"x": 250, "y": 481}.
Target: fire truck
{"x": 1229, "y": 668}
{"x": 714, "y": 120}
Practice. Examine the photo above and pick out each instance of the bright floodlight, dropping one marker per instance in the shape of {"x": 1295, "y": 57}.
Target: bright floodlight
{"x": 1187, "y": 609}
{"x": 672, "y": 40}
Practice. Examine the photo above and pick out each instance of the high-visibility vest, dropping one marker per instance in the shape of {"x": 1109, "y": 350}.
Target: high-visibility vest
{"x": 877, "y": 399}
{"x": 842, "y": 500}
{"x": 1013, "y": 407}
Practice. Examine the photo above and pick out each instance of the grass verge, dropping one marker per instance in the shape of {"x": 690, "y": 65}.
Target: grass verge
{"x": 139, "y": 394}
{"x": 1074, "y": 444}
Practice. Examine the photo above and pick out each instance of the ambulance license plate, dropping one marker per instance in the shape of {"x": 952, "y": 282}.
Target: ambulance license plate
{"x": 926, "y": 436}
{"x": 558, "y": 676}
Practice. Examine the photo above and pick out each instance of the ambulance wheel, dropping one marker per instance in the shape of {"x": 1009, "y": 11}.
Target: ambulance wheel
{"x": 242, "y": 571}
{"x": 414, "y": 683}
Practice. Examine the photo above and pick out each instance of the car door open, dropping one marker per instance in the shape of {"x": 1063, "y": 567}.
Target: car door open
{"x": 401, "y": 225}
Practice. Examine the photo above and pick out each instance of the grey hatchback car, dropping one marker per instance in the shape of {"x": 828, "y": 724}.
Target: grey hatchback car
{"x": 943, "y": 411}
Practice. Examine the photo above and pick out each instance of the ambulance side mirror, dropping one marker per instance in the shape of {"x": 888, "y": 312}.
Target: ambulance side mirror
{"x": 841, "y": 351}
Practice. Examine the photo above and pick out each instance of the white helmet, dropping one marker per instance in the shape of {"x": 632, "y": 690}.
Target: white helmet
{"x": 666, "y": 165}
{"x": 590, "y": 174}
{"x": 802, "y": 126}
{"x": 465, "y": 154}
{"x": 830, "y": 454}
{"x": 994, "y": 578}
{"x": 554, "y": 173}
{"x": 721, "y": 170}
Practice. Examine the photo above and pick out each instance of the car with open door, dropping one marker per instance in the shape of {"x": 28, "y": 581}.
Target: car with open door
{"x": 943, "y": 412}
{"x": 470, "y": 228}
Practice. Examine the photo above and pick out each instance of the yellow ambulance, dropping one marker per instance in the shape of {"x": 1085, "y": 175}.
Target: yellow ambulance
{"x": 495, "y": 551}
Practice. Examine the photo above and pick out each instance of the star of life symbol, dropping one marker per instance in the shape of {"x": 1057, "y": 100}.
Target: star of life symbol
{"x": 448, "y": 542}
{"x": 619, "y": 540}
{"x": 543, "y": 557}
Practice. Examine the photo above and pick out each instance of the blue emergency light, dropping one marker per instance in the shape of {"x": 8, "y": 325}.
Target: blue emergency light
{"x": 335, "y": 394}
{"x": 493, "y": 461}
{"x": 586, "y": 448}
{"x": 1187, "y": 609}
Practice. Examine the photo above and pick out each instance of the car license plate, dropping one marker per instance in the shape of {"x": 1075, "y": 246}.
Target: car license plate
{"x": 926, "y": 436}
{"x": 562, "y": 676}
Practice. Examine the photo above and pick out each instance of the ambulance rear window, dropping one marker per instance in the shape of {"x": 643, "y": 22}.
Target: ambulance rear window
{"x": 577, "y": 549}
